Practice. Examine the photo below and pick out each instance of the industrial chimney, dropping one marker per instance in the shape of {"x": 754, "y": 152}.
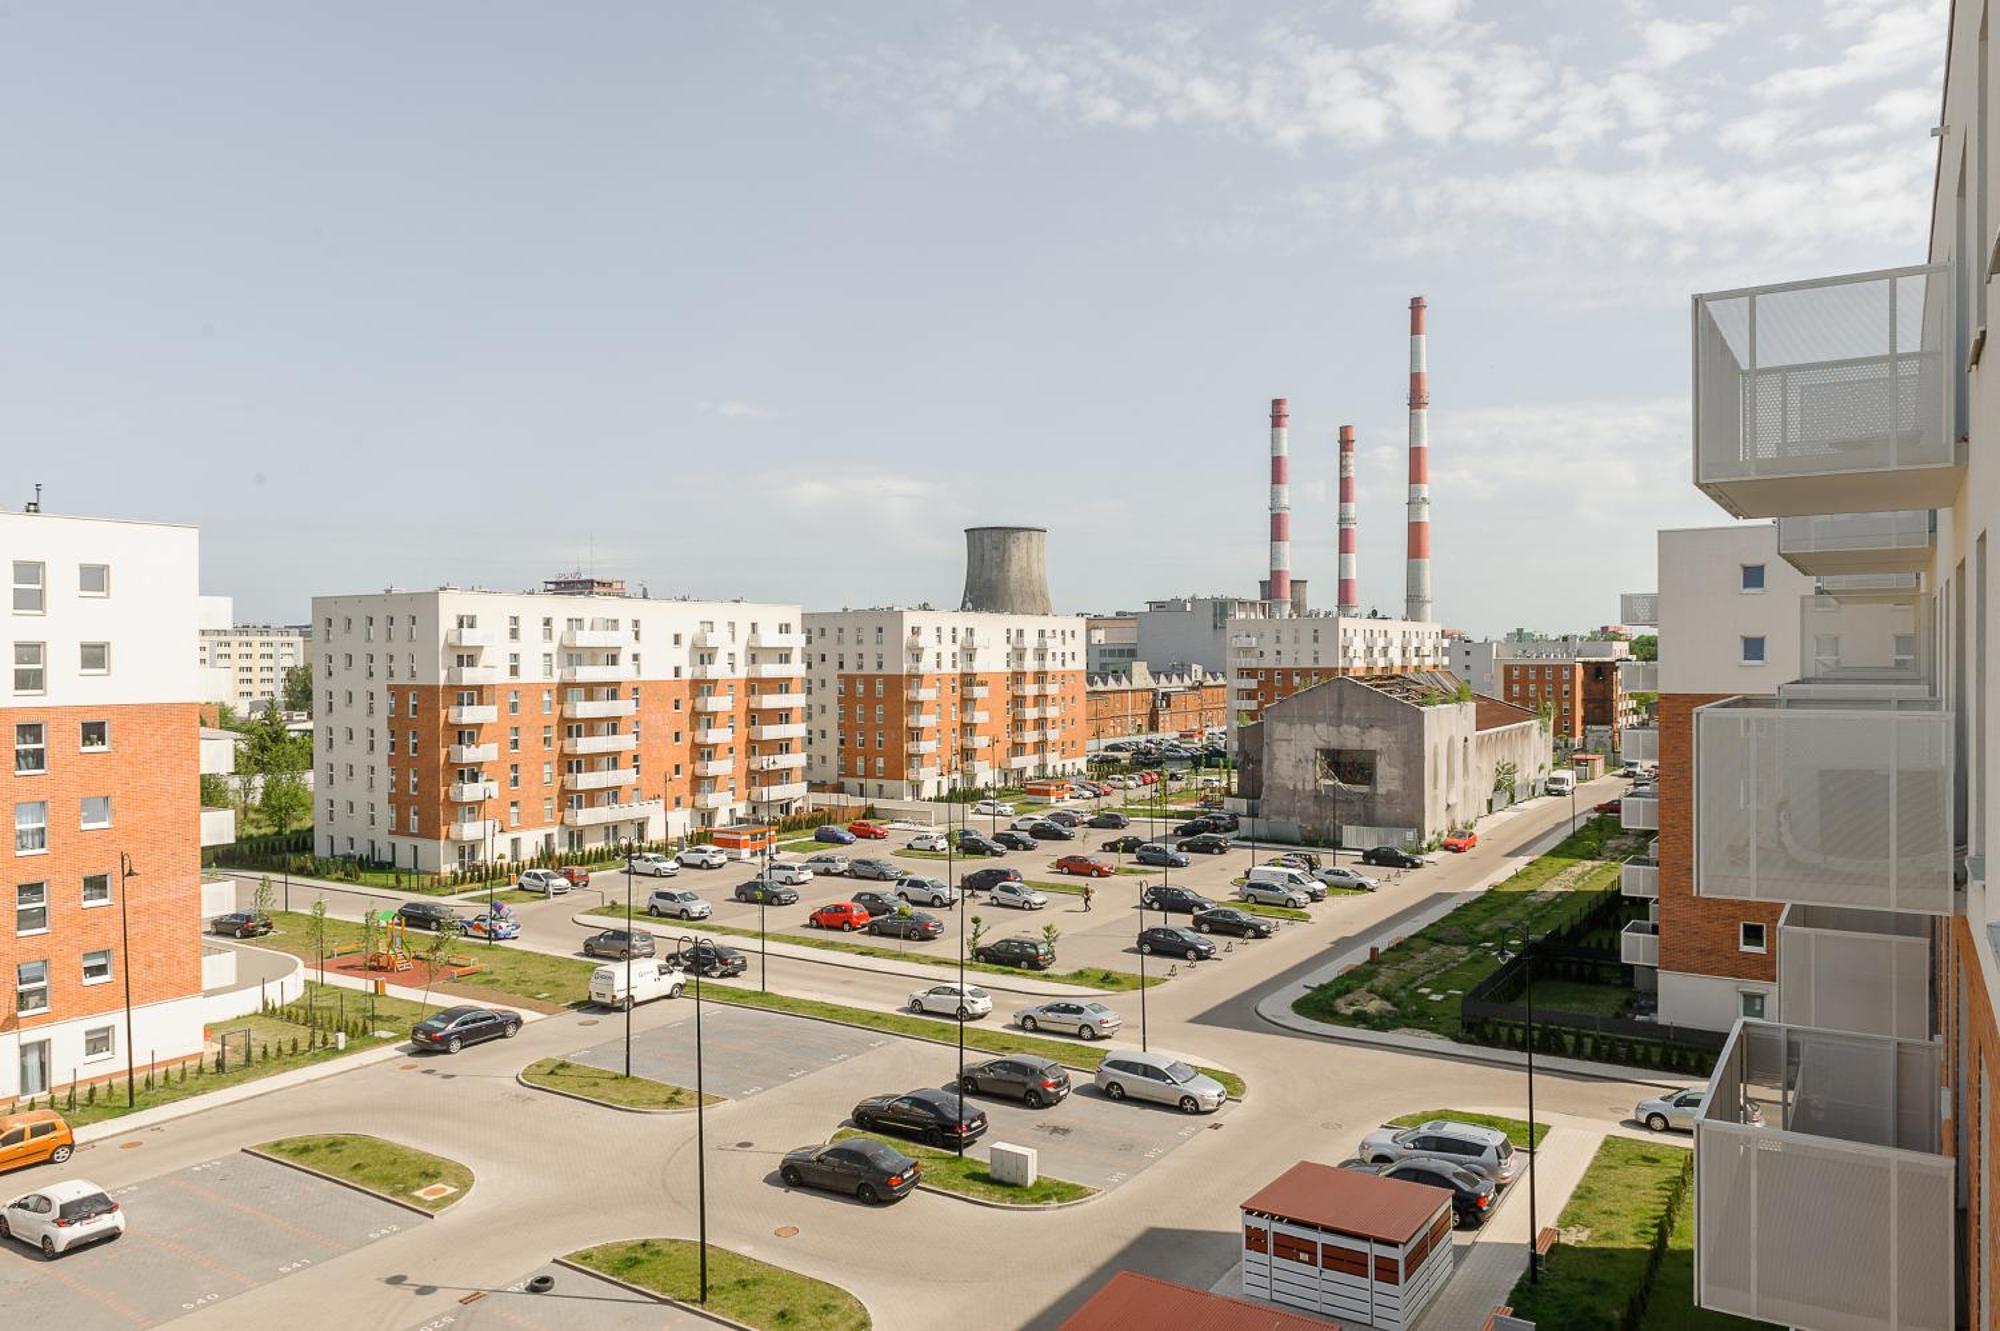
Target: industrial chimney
{"x": 1279, "y": 589}
{"x": 1349, "y": 596}
{"x": 1417, "y": 598}
{"x": 1006, "y": 570}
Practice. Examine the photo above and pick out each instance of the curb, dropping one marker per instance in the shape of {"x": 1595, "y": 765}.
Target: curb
{"x": 1027, "y": 1207}
{"x": 350, "y": 1184}
{"x": 1469, "y": 1053}
{"x": 522, "y": 1078}
{"x": 657, "y": 1297}
{"x": 195, "y": 1104}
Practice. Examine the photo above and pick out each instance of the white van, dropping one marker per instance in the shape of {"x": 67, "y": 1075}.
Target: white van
{"x": 1277, "y": 885}
{"x": 1561, "y": 783}
{"x": 651, "y": 978}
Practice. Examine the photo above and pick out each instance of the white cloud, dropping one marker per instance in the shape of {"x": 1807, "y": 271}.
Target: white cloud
{"x": 1901, "y": 37}
{"x": 737, "y": 410}
{"x": 1417, "y": 17}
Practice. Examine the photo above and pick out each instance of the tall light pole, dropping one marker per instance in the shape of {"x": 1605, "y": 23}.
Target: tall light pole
{"x": 1528, "y": 998}
{"x": 126, "y": 873}
{"x": 951, "y": 886}
{"x": 631, "y": 946}
{"x": 700, "y": 1120}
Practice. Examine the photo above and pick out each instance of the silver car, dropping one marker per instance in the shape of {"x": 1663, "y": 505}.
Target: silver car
{"x": 830, "y": 862}
{"x": 926, "y": 891}
{"x": 1090, "y": 1020}
{"x": 1270, "y": 894}
{"x": 1339, "y": 875}
{"x": 1018, "y": 895}
{"x": 678, "y": 902}
{"x": 1161, "y": 1079}
{"x": 1484, "y": 1151}
{"x": 1678, "y": 1110}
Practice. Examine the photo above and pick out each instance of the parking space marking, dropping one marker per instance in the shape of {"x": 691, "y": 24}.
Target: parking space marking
{"x": 187, "y": 1254}
{"x": 123, "y": 1309}
{"x": 210, "y": 1195}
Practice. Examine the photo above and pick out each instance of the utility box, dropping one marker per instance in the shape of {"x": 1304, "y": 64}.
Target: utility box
{"x": 1016, "y": 1166}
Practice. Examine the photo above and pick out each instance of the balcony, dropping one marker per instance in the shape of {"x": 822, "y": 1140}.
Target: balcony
{"x": 586, "y": 744}
{"x": 599, "y": 709}
{"x": 1021, "y": 761}
{"x": 1865, "y": 637}
{"x": 1864, "y": 971}
{"x": 773, "y": 702}
{"x": 979, "y": 692}
{"x": 720, "y": 702}
{"x": 471, "y": 676}
{"x": 715, "y": 799}
{"x": 609, "y": 673}
{"x": 921, "y": 746}
{"x": 1825, "y": 801}
{"x": 774, "y": 669}
{"x": 778, "y": 641}
{"x": 780, "y": 790}
{"x": 471, "y": 792}
{"x": 924, "y": 693}
{"x": 920, "y": 772}
{"x": 612, "y": 639}
{"x": 1639, "y": 676}
{"x": 921, "y": 720}
{"x": 473, "y": 753}
{"x": 709, "y": 670}
{"x": 1639, "y": 813}
{"x": 1241, "y": 640}
{"x": 974, "y": 741}
{"x": 714, "y": 734}
{"x": 1834, "y": 544}
{"x": 1034, "y": 713}
{"x": 610, "y": 778}
{"x": 714, "y": 767}
{"x": 1639, "y": 943}
{"x": 1639, "y": 744}
{"x": 1639, "y": 609}
{"x": 218, "y": 827}
{"x": 1827, "y": 396}
{"x": 1034, "y": 736}
{"x": 777, "y": 762}
{"x": 471, "y": 639}
{"x": 978, "y": 718}
{"x": 789, "y": 730}
{"x": 471, "y": 829}
{"x": 1822, "y": 1197}
{"x": 596, "y": 815}
{"x": 472, "y": 714}
{"x": 1038, "y": 690}
{"x": 1640, "y": 875}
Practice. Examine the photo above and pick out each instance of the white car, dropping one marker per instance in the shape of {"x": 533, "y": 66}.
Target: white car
{"x": 926, "y": 891}
{"x": 993, "y": 809}
{"x": 62, "y": 1216}
{"x": 678, "y": 902}
{"x": 790, "y": 875}
{"x": 1018, "y": 895}
{"x": 546, "y": 881}
{"x": 951, "y": 1001}
{"x": 1678, "y": 1110}
{"x": 652, "y": 864}
{"x": 928, "y": 841}
{"x": 702, "y": 857}
{"x": 1339, "y": 875}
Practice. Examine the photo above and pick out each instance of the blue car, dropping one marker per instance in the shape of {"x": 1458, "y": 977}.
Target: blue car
{"x": 833, "y": 836}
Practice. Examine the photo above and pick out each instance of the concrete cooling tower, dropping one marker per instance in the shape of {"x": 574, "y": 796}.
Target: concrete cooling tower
{"x": 1006, "y": 570}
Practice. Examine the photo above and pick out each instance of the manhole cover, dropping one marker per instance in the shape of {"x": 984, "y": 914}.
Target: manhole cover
{"x": 435, "y": 1192}
{"x": 742, "y": 1145}
{"x": 405, "y": 1067}
{"x": 130, "y": 1146}
{"x": 786, "y": 1231}
{"x": 588, "y": 1021}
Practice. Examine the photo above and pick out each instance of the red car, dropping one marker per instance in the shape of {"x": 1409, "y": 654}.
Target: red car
{"x": 1461, "y": 841}
{"x": 868, "y": 830}
{"x": 1083, "y": 866}
{"x": 1611, "y": 806}
{"x": 843, "y": 915}
{"x": 1149, "y": 778}
{"x": 577, "y": 875}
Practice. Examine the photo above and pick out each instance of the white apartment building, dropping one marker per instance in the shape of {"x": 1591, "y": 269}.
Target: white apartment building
{"x": 461, "y": 726}
{"x": 908, "y": 704}
{"x": 251, "y": 660}
{"x": 1274, "y": 657}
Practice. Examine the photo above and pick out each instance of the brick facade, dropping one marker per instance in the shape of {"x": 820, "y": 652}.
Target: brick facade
{"x": 1699, "y": 935}
{"x": 1559, "y": 683}
{"x": 1120, "y": 707}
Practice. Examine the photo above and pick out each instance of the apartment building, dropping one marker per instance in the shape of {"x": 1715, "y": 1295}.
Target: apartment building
{"x": 908, "y": 704}
{"x": 461, "y": 726}
{"x": 1139, "y": 702}
{"x": 1111, "y": 644}
{"x": 1273, "y": 657}
{"x": 250, "y": 661}
{"x": 102, "y": 710}
{"x": 1555, "y": 684}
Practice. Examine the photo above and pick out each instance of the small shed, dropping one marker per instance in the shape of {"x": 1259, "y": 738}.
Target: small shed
{"x": 1052, "y": 789}
{"x": 1347, "y": 1243}
{"x": 1587, "y": 766}
{"x": 745, "y": 840}
{"x": 1132, "y": 1302}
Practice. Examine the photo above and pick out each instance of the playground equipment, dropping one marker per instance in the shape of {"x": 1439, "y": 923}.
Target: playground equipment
{"x": 394, "y": 953}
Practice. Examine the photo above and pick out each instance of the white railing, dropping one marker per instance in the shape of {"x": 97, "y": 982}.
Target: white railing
{"x": 979, "y": 692}
{"x": 788, "y": 730}
{"x": 1639, "y": 813}
{"x": 1639, "y": 676}
{"x": 597, "y": 814}
{"x": 974, "y": 741}
{"x": 714, "y": 799}
{"x": 709, "y": 670}
{"x": 1865, "y": 638}
{"x": 714, "y": 734}
{"x": 1639, "y": 744}
{"x": 471, "y": 639}
{"x": 471, "y": 676}
{"x": 714, "y": 767}
{"x": 772, "y": 702}
{"x": 780, "y": 790}
{"x": 721, "y": 702}
{"x": 610, "y": 779}
{"x": 473, "y": 753}
{"x": 1836, "y": 543}
{"x": 1639, "y": 943}
{"x": 597, "y": 638}
{"x": 921, "y": 720}
{"x": 1639, "y": 609}
{"x": 1639, "y": 878}
{"x": 1866, "y": 971}
{"x": 471, "y": 792}
{"x": 774, "y": 669}
{"x": 922, "y": 746}
{"x": 599, "y": 709}
{"x": 218, "y": 827}
{"x": 978, "y": 718}
{"x": 583, "y": 744}
{"x": 611, "y": 673}
{"x": 470, "y": 829}
{"x": 925, "y": 693}
{"x": 472, "y": 714}
{"x": 773, "y": 639}
{"x": 777, "y": 762}
{"x": 1019, "y": 761}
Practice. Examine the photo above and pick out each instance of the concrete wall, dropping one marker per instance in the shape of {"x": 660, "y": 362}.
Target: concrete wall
{"x": 1705, "y": 613}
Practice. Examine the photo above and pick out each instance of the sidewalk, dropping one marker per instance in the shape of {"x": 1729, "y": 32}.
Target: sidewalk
{"x": 229, "y": 1095}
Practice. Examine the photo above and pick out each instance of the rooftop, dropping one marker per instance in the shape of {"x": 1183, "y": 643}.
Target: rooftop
{"x": 1348, "y": 1201}
{"x": 1132, "y": 1302}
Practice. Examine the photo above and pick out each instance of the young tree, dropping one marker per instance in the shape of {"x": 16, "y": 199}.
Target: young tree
{"x": 1049, "y": 935}
{"x": 265, "y": 899}
{"x": 978, "y": 931}
{"x": 318, "y": 928}
{"x": 435, "y": 956}
{"x": 371, "y": 937}
{"x": 298, "y": 690}
{"x": 284, "y": 801}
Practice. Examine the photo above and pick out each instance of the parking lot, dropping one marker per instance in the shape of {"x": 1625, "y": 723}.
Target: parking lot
{"x": 745, "y": 1052}
{"x": 193, "y": 1238}
{"x": 1090, "y": 1139}
{"x": 578, "y": 1302}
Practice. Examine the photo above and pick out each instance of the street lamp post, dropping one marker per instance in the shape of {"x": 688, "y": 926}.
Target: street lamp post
{"x": 951, "y": 886}
{"x": 631, "y": 946}
{"x": 1528, "y": 999}
{"x": 126, "y": 873}
{"x": 686, "y": 941}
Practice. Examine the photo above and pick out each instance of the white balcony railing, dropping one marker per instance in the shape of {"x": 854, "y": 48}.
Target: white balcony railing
{"x": 471, "y": 792}
{"x": 1639, "y": 609}
{"x": 1823, "y": 1198}
{"x": 606, "y": 673}
{"x": 1842, "y": 543}
{"x": 218, "y": 827}
{"x": 777, "y": 762}
{"x": 974, "y": 741}
{"x": 1639, "y": 744}
{"x": 774, "y": 669}
{"x": 1827, "y": 802}
{"x": 922, "y": 746}
{"x": 1871, "y": 637}
{"x": 471, "y": 639}
{"x": 1639, "y": 813}
{"x": 786, "y": 730}
{"x": 1639, "y": 676}
{"x": 473, "y": 753}
{"x": 777, "y": 702}
{"x": 780, "y": 790}
{"x": 471, "y": 829}
{"x": 1640, "y": 877}
{"x": 771, "y": 638}
{"x": 599, "y": 709}
{"x": 609, "y": 779}
{"x": 715, "y": 799}
{"x": 922, "y": 693}
{"x": 585, "y": 744}
{"x": 1827, "y": 396}
{"x": 1038, "y": 690}
{"x": 597, "y": 638}
{"x": 1021, "y": 761}
{"x": 714, "y": 767}
{"x": 714, "y": 734}
{"x": 596, "y": 815}
{"x": 721, "y": 702}
{"x": 709, "y": 670}
{"x": 1865, "y": 971}
{"x": 472, "y": 714}
{"x": 1639, "y": 943}
{"x": 979, "y": 692}
{"x": 977, "y": 718}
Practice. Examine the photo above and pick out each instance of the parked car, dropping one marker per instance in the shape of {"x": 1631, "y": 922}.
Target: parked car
{"x": 830, "y": 835}
{"x": 1460, "y": 841}
{"x": 484, "y": 925}
{"x": 877, "y": 903}
{"x": 241, "y": 924}
{"x": 1279, "y": 885}
{"x": 1392, "y": 857}
{"x": 702, "y": 857}
{"x": 1339, "y": 875}
{"x": 1109, "y": 818}
{"x": 758, "y": 891}
{"x": 1017, "y": 895}
{"x": 652, "y": 864}
{"x": 430, "y": 915}
{"x": 1296, "y": 859}
{"x": 576, "y": 874}
{"x": 1083, "y": 866}
{"x": 545, "y": 881}
{"x": 1090, "y": 1019}
{"x": 62, "y": 1217}
{"x": 993, "y": 809}
{"x": 1069, "y": 818}
{"x": 1678, "y": 1110}
{"x": 1174, "y": 941}
{"x": 1029, "y": 1078}
{"x": 1044, "y": 830}
{"x": 678, "y": 902}
{"x": 1204, "y": 843}
{"x": 919, "y": 925}
{"x": 828, "y": 863}
{"x": 1471, "y": 1195}
{"x": 1122, "y": 845}
{"x": 868, "y": 831}
{"x": 456, "y": 1027}
{"x": 652, "y": 978}
{"x": 1193, "y": 827}
{"x": 32, "y": 1136}
{"x": 1152, "y": 852}
{"x": 789, "y": 875}
{"x": 1129, "y": 1074}
{"x": 1230, "y": 920}
{"x": 937, "y": 1118}
{"x": 712, "y": 960}
{"x": 619, "y": 944}
{"x": 929, "y": 841}
{"x": 972, "y": 843}
{"x": 985, "y": 880}
{"x": 1221, "y": 821}
{"x": 1609, "y": 806}
{"x": 1272, "y": 894}
{"x": 1485, "y": 1151}
{"x": 845, "y": 916}
{"x": 871, "y": 1171}
{"x": 878, "y": 870}
{"x": 1022, "y": 950}
{"x": 1013, "y": 840}
{"x": 1167, "y": 898}
{"x": 926, "y": 891}
{"x": 952, "y": 1001}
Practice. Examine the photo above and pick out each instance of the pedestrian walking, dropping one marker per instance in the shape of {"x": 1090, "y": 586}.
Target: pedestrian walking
{"x": 1088, "y": 893}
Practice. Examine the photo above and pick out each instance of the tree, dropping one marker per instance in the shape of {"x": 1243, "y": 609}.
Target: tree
{"x": 269, "y": 748}
{"x": 265, "y": 899}
{"x": 1646, "y": 647}
{"x": 1504, "y": 775}
{"x": 217, "y": 791}
{"x": 318, "y": 927}
{"x": 284, "y": 801}
{"x": 978, "y": 931}
{"x": 371, "y": 935}
{"x": 1049, "y": 935}
{"x": 435, "y": 956}
{"x": 298, "y": 689}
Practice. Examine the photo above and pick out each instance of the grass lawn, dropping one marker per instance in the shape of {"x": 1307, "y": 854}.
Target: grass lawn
{"x": 1671, "y": 1307}
{"x": 808, "y": 846}
{"x": 506, "y": 975}
{"x": 383, "y": 1167}
{"x": 907, "y": 854}
{"x": 1515, "y": 1128}
{"x": 741, "y": 1288}
{"x": 949, "y": 1172}
{"x": 1603, "y": 1000}
{"x": 1416, "y": 983}
{"x": 598, "y": 1084}
{"x": 1074, "y": 889}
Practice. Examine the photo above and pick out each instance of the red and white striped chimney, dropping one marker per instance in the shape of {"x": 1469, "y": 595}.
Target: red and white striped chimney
{"x": 1279, "y": 591}
{"x": 1417, "y": 595}
{"x": 1350, "y": 583}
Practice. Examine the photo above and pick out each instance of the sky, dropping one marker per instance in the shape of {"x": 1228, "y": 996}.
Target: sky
{"x": 771, "y": 300}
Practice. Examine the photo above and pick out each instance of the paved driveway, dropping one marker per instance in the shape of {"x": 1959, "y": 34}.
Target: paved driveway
{"x": 744, "y": 1051}
{"x": 1092, "y": 1140}
{"x": 578, "y": 1302}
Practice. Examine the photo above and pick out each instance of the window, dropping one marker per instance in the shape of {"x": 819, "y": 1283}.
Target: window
{"x": 1750, "y": 1003}
{"x": 96, "y": 737}
{"x": 96, "y": 811}
{"x": 1750, "y": 937}
{"x": 31, "y": 753}
{"x": 94, "y": 658}
{"x": 97, "y": 967}
{"x": 93, "y": 579}
{"x": 1753, "y": 649}
{"x": 31, "y": 908}
{"x": 31, "y": 828}
{"x": 31, "y": 987}
{"x": 99, "y": 1042}
{"x": 97, "y": 889}
{"x": 31, "y": 661}
{"x": 30, "y": 587}
{"x": 1752, "y": 577}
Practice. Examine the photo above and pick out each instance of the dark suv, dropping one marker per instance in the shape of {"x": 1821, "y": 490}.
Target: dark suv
{"x": 972, "y": 843}
{"x": 1170, "y": 899}
{"x": 1175, "y": 942}
{"x": 429, "y": 915}
{"x": 1204, "y": 843}
{"x": 985, "y": 880}
{"x": 1033, "y": 953}
{"x": 1391, "y": 857}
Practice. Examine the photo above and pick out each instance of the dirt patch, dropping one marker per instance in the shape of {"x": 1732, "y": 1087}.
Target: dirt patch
{"x": 1363, "y": 1002}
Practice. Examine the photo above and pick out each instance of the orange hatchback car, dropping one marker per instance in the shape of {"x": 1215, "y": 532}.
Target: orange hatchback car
{"x": 33, "y": 1136}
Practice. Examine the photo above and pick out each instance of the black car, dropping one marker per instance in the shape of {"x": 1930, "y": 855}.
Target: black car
{"x": 429, "y": 915}
{"x": 1013, "y": 840}
{"x": 972, "y": 843}
{"x": 1048, "y": 831}
{"x": 871, "y": 1171}
{"x": 1123, "y": 845}
{"x": 713, "y": 960}
{"x": 456, "y": 1027}
{"x": 937, "y": 1117}
{"x": 1175, "y": 942}
{"x": 1229, "y": 920}
{"x": 880, "y": 870}
{"x": 1223, "y": 822}
{"x": 1032, "y": 1080}
{"x": 920, "y": 925}
{"x": 1204, "y": 843}
{"x": 1391, "y": 857}
{"x": 1152, "y": 852}
{"x": 1033, "y": 954}
{"x": 770, "y": 894}
{"x": 877, "y": 903}
{"x": 1162, "y": 897}
{"x": 1193, "y": 827}
{"x": 1109, "y": 819}
{"x": 1069, "y": 818}
{"x": 1471, "y": 1194}
{"x": 619, "y": 944}
{"x": 983, "y": 880}
{"x": 240, "y": 924}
